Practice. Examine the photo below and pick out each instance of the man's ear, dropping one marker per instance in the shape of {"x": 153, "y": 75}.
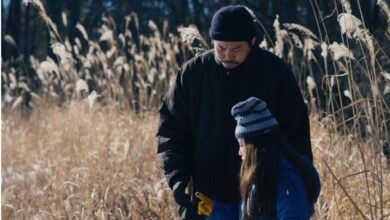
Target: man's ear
{"x": 253, "y": 41}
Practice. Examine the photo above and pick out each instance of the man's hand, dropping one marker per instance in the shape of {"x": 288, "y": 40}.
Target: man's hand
{"x": 205, "y": 204}
{"x": 180, "y": 196}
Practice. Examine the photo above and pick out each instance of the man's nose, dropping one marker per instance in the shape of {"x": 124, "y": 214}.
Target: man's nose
{"x": 229, "y": 55}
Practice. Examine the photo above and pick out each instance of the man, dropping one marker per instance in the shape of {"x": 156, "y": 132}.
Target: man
{"x": 196, "y": 131}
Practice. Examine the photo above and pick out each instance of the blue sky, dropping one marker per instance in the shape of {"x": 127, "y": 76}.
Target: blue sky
{"x": 5, "y": 2}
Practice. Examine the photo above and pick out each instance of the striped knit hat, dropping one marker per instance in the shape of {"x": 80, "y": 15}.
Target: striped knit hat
{"x": 253, "y": 118}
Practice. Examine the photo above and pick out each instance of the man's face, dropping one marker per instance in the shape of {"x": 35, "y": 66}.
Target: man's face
{"x": 232, "y": 54}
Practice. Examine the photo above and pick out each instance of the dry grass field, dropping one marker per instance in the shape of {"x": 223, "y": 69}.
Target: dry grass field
{"x": 71, "y": 163}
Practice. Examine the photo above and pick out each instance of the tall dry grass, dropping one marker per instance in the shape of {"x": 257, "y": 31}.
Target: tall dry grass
{"x": 126, "y": 67}
{"x": 90, "y": 156}
{"x": 71, "y": 163}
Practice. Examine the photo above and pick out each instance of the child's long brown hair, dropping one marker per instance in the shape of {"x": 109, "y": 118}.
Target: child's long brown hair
{"x": 260, "y": 168}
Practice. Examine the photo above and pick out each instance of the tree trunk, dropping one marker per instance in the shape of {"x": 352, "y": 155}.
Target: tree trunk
{"x": 73, "y": 7}
{"x": 13, "y": 26}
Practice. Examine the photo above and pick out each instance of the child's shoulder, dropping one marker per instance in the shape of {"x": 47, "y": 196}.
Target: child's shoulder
{"x": 291, "y": 193}
{"x": 289, "y": 177}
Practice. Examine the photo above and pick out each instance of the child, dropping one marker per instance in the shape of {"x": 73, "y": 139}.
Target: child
{"x": 275, "y": 183}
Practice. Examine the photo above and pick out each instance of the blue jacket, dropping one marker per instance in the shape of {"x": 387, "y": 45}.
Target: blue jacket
{"x": 291, "y": 199}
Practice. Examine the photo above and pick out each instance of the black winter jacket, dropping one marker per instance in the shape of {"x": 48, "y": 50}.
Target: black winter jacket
{"x": 196, "y": 130}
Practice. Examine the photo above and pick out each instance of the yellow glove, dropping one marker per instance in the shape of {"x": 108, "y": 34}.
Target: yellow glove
{"x": 205, "y": 204}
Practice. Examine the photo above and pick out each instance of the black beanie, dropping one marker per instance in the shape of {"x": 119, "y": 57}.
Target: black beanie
{"x": 232, "y": 23}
